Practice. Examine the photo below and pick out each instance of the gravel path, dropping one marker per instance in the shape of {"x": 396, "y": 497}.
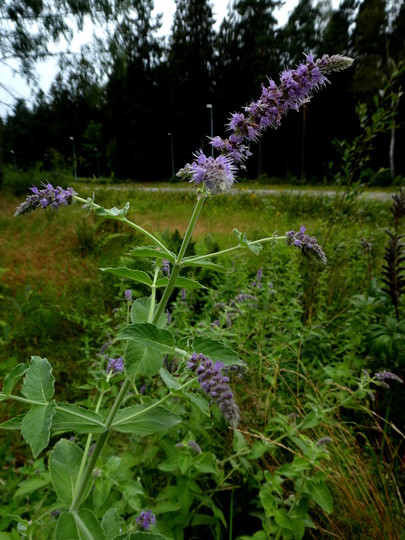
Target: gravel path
{"x": 376, "y": 195}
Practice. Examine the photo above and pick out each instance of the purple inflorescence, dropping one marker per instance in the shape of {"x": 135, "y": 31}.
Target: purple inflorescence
{"x": 165, "y": 267}
{"x": 387, "y": 375}
{"x": 128, "y": 295}
{"x": 146, "y": 519}
{"x": 307, "y": 244}
{"x": 48, "y": 196}
{"x": 215, "y": 385}
{"x": 116, "y": 365}
{"x": 296, "y": 88}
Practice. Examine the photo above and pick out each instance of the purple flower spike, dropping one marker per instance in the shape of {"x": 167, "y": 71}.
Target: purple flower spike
{"x": 215, "y": 384}
{"x": 296, "y": 88}
{"x": 48, "y": 196}
{"x": 387, "y": 375}
{"x": 146, "y": 519}
{"x": 307, "y": 244}
{"x": 116, "y": 365}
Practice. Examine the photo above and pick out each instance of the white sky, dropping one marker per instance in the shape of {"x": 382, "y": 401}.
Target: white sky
{"x": 16, "y": 87}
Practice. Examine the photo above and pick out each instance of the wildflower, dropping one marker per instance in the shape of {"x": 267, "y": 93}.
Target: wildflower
{"x": 146, "y": 519}
{"x": 387, "y": 375}
{"x": 48, "y": 196}
{"x": 194, "y": 446}
{"x": 215, "y": 385}
{"x": 324, "y": 441}
{"x": 128, "y": 295}
{"x": 217, "y": 174}
{"x": 115, "y": 365}
{"x": 307, "y": 244}
{"x": 165, "y": 267}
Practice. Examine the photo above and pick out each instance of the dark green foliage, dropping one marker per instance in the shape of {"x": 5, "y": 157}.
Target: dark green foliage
{"x": 394, "y": 267}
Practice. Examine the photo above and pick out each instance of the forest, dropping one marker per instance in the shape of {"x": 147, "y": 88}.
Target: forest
{"x": 136, "y": 105}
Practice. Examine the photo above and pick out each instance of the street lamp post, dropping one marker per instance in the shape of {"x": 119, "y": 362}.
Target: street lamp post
{"x": 98, "y": 162}
{"x": 172, "y": 152}
{"x": 14, "y": 160}
{"x": 209, "y": 106}
{"x": 74, "y": 157}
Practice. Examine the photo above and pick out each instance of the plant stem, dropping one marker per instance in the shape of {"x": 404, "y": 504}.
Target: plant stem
{"x": 232, "y": 249}
{"x": 93, "y": 206}
{"x": 176, "y": 267}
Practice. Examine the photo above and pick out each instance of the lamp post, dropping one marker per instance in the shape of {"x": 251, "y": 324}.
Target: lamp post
{"x": 172, "y": 153}
{"x": 209, "y": 106}
{"x": 14, "y": 160}
{"x": 74, "y": 157}
{"x": 98, "y": 162}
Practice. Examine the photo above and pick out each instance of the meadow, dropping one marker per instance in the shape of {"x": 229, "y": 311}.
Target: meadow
{"x": 319, "y": 449}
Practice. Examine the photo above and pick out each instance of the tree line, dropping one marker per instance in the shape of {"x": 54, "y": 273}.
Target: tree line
{"x": 135, "y": 105}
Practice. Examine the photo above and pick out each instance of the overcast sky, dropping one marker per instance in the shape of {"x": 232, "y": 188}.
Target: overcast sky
{"x": 16, "y": 86}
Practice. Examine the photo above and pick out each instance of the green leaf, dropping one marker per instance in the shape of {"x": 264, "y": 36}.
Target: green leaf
{"x": 169, "y": 380}
{"x": 114, "y": 213}
{"x": 140, "y": 312}
{"x": 36, "y": 427}
{"x": 152, "y": 251}
{"x": 128, "y": 273}
{"x": 206, "y": 263}
{"x": 69, "y": 417}
{"x": 181, "y": 282}
{"x": 148, "y": 335}
{"x": 82, "y": 525}
{"x": 38, "y": 382}
{"x": 13, "y": 377}
{"x": 201, "y": 403}
{"x": 64, "y": 465}
{"x": 254, "y": 248}
{"x": 13, "y": 423}
{"x": 216, "y": 350}
{"x": 32, "y": 484}
{"x": 140, "y": 360}
{"x": 112, "y": 523}
{"x": 321, "y": 495}
{"x": 141, "y": 420}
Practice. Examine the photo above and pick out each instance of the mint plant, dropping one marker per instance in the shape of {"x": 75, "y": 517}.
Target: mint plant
{"x": 200, "y": 366}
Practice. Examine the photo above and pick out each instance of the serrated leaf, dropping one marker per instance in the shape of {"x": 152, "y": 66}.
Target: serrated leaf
{"x": 112, "y": 523}
{"x": 13, "y": 377}
{"x": 38, "y": 382}
{"x": 141, "y": 420}
{"x": 36, "y": 427}
{"x": 169, "y": 380}
{"x": 140, "y": 312}
{"x": 216, "y": 350}
{"x": 181, "y": 282}
{"x": 64, "y": 465}
{"x": 204, "y": 264}
{"x": 152, "y": 251}
{"x": 140, "y": 360}
{"x": 201, "y": 403}
{"x": 254, "y": 248}
{"x": 82, "y": 525}
{"x": 321, "y": 495}
{"x": 69, "y": 417}
{"x": 128, "y": 273}
{"x": 149, "y": 336}
{"x": 32, "y": 484}
{"x": 113, "y": 212}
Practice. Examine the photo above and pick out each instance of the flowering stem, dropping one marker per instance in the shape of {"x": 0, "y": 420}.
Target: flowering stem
{"x": 177, "y": 264}
{"x": 234, "y": 248}
{"x": 93, "y": 206}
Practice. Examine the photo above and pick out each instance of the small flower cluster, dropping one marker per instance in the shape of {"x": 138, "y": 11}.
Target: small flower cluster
{"x": 215, "y": 385}
{"x": 128, "y": 295}
{"x": 115, "y": 365}
{"x": 146, "y": 519}
{"x": 307, "y": 244}
{"x": 296, "y": 87}
{"x": 218, "y": 174}
{"x": 48, "y": 196}
{"x": 387, "y": 375}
